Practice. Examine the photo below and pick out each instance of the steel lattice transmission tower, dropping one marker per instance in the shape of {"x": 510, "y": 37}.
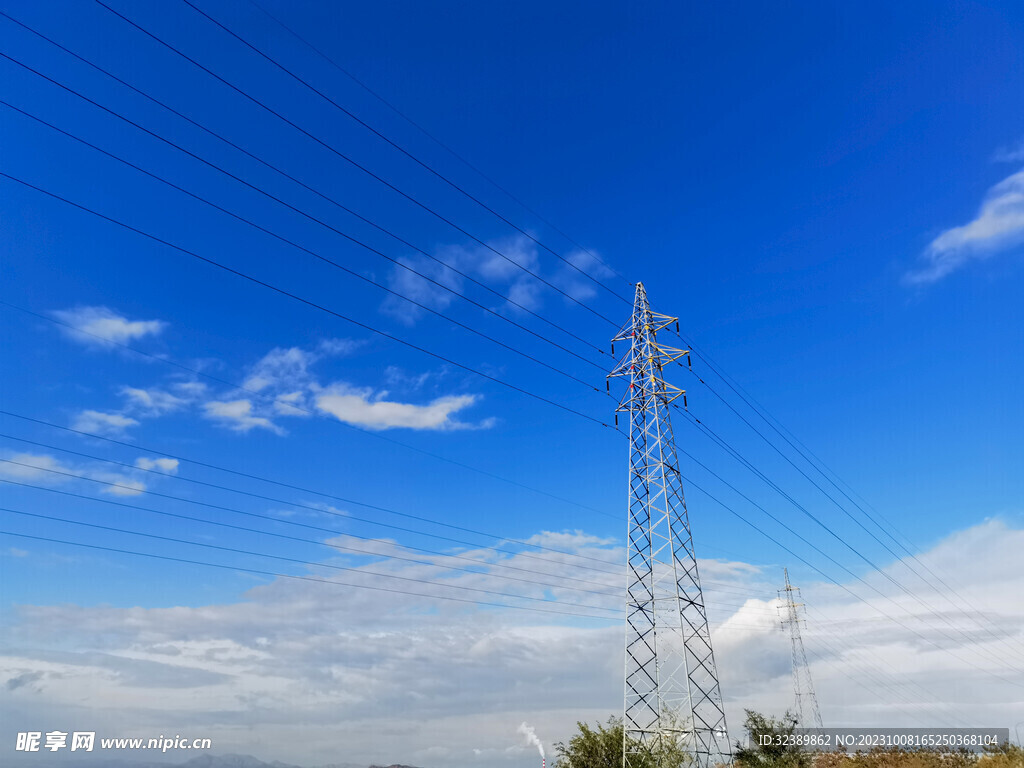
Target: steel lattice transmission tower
{"x": 806, "y": 702}
{"x": 672, "y": 696}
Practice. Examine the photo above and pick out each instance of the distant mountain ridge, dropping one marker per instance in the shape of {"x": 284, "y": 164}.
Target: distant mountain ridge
{"x": 210, "y": 761}
{"x": 248, "y": 761}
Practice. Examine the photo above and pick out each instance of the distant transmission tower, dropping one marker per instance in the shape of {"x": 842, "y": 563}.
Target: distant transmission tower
{"x": 806, "y": 702}
{"x": 672, "y": 696}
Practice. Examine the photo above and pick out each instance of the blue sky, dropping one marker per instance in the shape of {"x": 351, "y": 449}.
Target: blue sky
{"x": 828, "y": 196}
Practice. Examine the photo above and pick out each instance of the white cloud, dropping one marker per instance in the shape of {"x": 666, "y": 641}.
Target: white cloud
{"x": 168, "y": 466}
{"x": 305, "y": 660}
{"x": 357, "y": 406}
{"x": 99, "y": 325}
{"x": 98, "y": 422}
{"x": 310, "y": 665}
{"x": 285, "y": 385}
{"x": 238, "y": 416}
{"x": 998, "y": 226}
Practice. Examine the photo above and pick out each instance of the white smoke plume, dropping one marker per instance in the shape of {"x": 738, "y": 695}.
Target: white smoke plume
{"x": 531, "y": 737}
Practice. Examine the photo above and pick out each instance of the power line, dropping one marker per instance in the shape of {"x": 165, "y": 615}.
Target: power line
{"x": 401, "y": 149}
{"x": 866, "y": 673}
{"x": 437, "y": 141}
{"x": 333, "y": 201}
{"x": 307, "y": 302}
{"x": 775, "y": 487}
{"x": 357, "y": 165}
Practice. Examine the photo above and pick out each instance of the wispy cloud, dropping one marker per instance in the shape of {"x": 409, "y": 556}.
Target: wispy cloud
{"x": 47, "y": 470}
{"x": 102, "y": 423}
{"x": 139, "y": 403}
{"x": 283, "y": 380}
{"x": 152, "y": 401}
{"x": 998, "y": 226}
{"x": 33, "y": 466}
{"x": 281, "y": 368}
{"x": 435, "y": 285}
{"x": 98, "y": 326}
{"x": 1011, "y": 154}
{"x": 238, "y": 415}
{"x": 286, "y": 369}
{"x": 283, "y": 384}
{"x": 168, "y": 466}
{"x": 120, "y": 485}
{"x": 505, "y": 265}
{"x": 363, "y": 408}
{"x": 580, "y": 275}
{"x": 287, "y": 387}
